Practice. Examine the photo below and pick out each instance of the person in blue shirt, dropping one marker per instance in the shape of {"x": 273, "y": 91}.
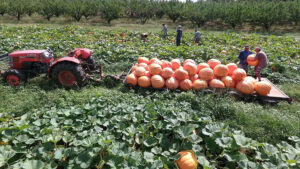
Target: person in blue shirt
{"x": 179, "y": 35}
{"x": 197, "y": 36}
{"x": 243, "y": 58}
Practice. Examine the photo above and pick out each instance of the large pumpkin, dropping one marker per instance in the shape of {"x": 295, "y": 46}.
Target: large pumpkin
{"x": 172, "y": 83}
{"x": 239, "y": 74}
{"x": 245, "y": 87}
{"x": 186, "y": 84}
{"x": 167, "y": 72}
{"x": 251, "y": 79}
{"x": 144, "y": 81}
{"x": 213, "y": 63}
{"x": 199, "y": 84}
{"x": 202, "y": 66}
{"x": 165, "y": 64}
{"x": 193, "y": 77}
{"x": 221, "y": 70}
{"x": 181, "y": 74}
{"x": 143, "y": 60}
{"x": 262, "y": 88}
{"x": 187, "y": 160}
{"x": 155, "y": 69}
{"x": 252, "y": 60}
{"x": 216, "y": 83}
{"x": 157, "y": 81}
{"x": 155, "y": 60}
{"x": 131, "y": 79}
{"x": 140, "y": 71}
{"x": 134, "y": 68}
{"x": 228, "y": 82}
{"x": 144, "y": 65}
{"x": 231, "y": 68}
{"x": 189, "y": 61}
{"x": 190, "y": 67}
{"x": 175, "y": 64}
{"x": 206, "y": 74}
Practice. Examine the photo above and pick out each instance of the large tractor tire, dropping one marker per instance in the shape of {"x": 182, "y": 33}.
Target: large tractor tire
{"x": 69, "y": 75}
{"x": 13, "y": 77}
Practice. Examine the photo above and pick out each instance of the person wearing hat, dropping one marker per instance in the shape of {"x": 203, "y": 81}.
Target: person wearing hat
{"x": 262, "y": 62}
{"x": 243, "y": 58}
{"x": 179, "y": 35}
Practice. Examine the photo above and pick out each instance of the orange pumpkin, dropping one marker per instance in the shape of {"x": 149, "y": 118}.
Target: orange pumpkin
{"x": 186, "y": 84}
{"x": 213, "y": 63}
{"x": 172, "y": 83}
{"x": 252, "y": 60}
{"x": 175, "y": 64}
{"x": 148, "y": 74}
{"x": 187, "y": 160}
{"x": 228, "y": 82}
{"x": 123, "y": 34}
{"x": 144, "y": 81}
{"x": 131, "y": 79}
{"x": 155, "y": 69}
{"x": 190, "y": 67}
{"x": 143, "y": 60}
{"x": 140, "y": 71}
{"x": 239, "y": 74}
{"x": 199, "y": 84}
{"x": 206, "y": 74}
{"x": 154, "y": 60}
{"x": 221, "y": 70}
{"x": 181, "y": 74}
{"x": 144, "y": 65}
{"x": 251, "y": 79}
{"x": 216, "y": 83}
{"x": 245, "y": 87}
{"x": 157, "y": 81}
{"x": 189, "y": 61}
{"x": 263, "y": 88}
{"x": 166, "y": 64}
{"x": 202, "y": 66}
{"x": 167, "y": 72}
{"x": 134, "y": 68}
{"x": 193, "y": 77}
{"x": 231, "y": 68}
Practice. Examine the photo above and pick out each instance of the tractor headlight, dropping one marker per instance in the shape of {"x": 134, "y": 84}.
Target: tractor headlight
{"x": 47, "y": 55}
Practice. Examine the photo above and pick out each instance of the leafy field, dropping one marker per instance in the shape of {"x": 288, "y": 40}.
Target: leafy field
{"x": 106, "y": 126}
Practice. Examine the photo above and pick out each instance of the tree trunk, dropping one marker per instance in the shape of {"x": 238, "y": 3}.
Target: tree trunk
{"x": 108, "y": 21}
{"x": 19, "y": 16}
{"x": 48, "y": 18}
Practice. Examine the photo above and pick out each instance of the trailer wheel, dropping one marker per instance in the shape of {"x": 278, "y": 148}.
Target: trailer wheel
{"x": 69, "y": 75}
{"x": 13, "y": 77}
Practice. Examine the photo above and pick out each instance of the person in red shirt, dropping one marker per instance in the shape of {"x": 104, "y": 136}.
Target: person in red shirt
{"x": 262, "y": 62}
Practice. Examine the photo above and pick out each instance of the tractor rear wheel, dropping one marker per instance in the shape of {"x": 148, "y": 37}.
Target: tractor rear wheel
{"x": 13, "y": 77}
{"x": 69, "y": 75}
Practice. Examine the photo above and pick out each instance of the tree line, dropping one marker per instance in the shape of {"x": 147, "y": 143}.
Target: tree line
{"x": 234, "y": 13}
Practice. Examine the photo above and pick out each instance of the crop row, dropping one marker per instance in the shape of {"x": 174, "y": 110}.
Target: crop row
{"x": 261, "y": 13}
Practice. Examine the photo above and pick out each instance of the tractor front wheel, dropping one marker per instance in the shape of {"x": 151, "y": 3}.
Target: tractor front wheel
{"x": 13, "y": 77}
{"x": 69, "y": 75}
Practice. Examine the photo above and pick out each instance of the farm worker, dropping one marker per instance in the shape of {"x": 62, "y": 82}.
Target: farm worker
{"x": 197, "y": 36}
{"x": 165, "y": 30}
{"x": 262, "y": 62}
{"x": 179, "y": 35}
{"x": 243, "y": 58}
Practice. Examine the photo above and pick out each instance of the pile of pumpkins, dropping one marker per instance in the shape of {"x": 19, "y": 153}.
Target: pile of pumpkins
{"x": 192, "y": 76}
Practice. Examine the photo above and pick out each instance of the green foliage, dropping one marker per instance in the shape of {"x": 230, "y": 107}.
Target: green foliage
{"x": 50, "y": 8}
{"x": 17, "y": 8}
{"x": 111, "y": 9}
{"x": 234, "y": 13}
{"x": 174, "y": 9}
{"x": 75, "y": 8}
{"x": 4, "y": 7}
{"x": 142, "y": 9}
{"x": 91, "y": 8}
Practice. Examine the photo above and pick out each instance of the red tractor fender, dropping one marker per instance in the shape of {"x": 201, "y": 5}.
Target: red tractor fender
{"x": 60, "y": 60}
{"x": 80, "y": 53}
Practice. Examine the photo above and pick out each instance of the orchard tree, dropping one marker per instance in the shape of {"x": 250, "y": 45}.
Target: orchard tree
{"x": 31, "y": 7}
{"x": 233, "y": 13}
{"x": 294, "y": 10}
{"x": 174, "y": 9}
{"x": 91, "y": 8}
{"x": 267, "y": 13}
{"x": 17, "y": 8}
{"x": 3, "y": 7}
{"x": 111, "y": 9}
{"x": 75, "y": 8}
{"x": 159, "y": 8}
{"x": 143, "y": 10}
{"x": 47, "y": 8}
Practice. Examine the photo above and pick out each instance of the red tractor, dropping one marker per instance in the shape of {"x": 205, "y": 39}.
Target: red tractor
{"x": 70, "y": 71}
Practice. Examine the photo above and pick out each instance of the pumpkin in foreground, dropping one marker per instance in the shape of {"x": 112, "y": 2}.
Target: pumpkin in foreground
{"x": 252, "y": 60}
{"x": 262, "y": 88}
{"x": 187, "y": 160}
